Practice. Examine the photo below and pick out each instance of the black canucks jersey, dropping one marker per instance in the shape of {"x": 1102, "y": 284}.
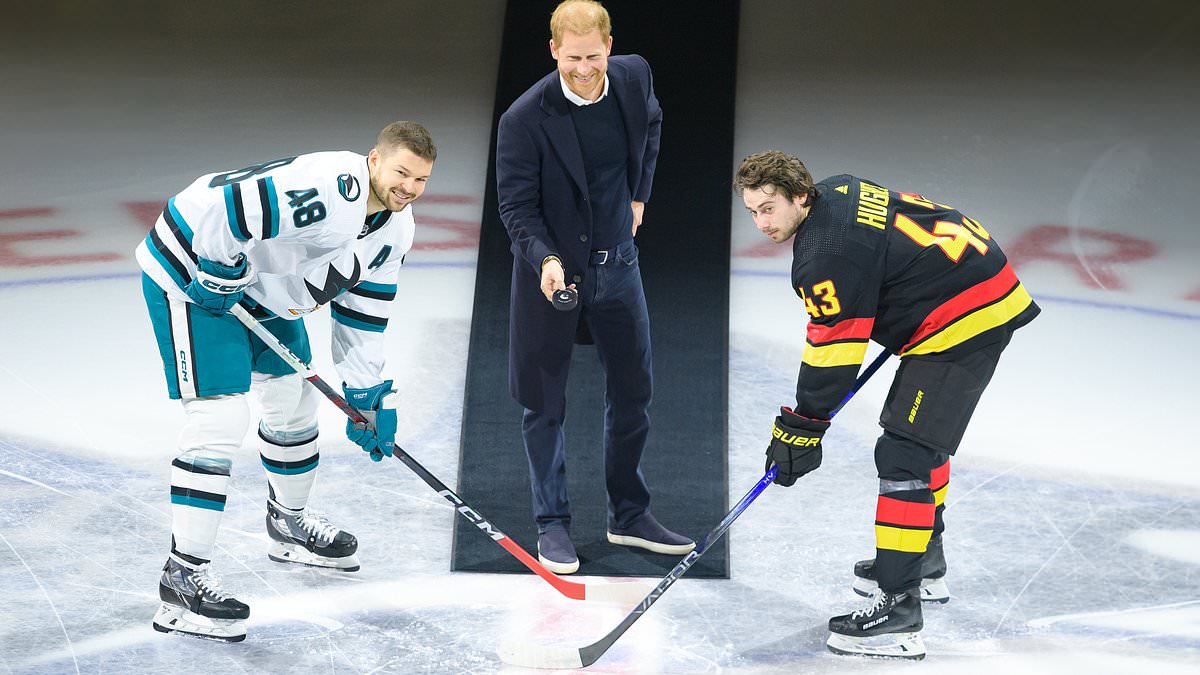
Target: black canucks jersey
{"x": 918, "y": 277}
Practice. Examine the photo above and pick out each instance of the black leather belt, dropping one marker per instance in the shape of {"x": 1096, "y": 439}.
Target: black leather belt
{"x": 600, "y": 257}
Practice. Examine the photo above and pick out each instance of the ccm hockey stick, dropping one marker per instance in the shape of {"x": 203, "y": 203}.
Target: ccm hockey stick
{"x": 539, "y": 656}
{"x": 622, "y": 593}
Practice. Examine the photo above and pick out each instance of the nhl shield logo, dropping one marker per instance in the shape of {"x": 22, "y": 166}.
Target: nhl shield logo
{"x": 348, "y": 187}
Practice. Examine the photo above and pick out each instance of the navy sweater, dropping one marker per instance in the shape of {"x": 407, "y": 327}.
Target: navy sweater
{"x": 605, "y": 148}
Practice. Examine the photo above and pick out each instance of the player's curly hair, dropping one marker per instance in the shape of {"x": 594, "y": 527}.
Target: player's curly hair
{"x": 782, "y": 172}
{"x": 408, "y": 135}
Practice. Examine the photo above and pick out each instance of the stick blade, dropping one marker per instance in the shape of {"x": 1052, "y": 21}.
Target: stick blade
{"x": 627, "y": 594}
{"x": 518, "y": 653}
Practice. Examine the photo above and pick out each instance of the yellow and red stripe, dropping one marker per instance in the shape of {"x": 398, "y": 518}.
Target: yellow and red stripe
{"x": 841, "y": 344}
{"x": 939, "y": 481}
{"x": 984, "y": 306}
{"x": 903, "y": 526}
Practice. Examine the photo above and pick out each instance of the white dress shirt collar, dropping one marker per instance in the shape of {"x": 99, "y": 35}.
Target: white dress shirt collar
{"x": 576, "y": 98}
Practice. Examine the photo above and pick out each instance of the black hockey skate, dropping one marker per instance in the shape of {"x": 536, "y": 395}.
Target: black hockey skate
{"x": 933, "y": 573}
{"x": 309, "y": 538}
{"x": 194, "y": 604}
{"x": 890, "y": 627}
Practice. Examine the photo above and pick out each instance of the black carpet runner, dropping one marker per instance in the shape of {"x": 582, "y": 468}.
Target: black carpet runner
{"x": 684, "y": 256}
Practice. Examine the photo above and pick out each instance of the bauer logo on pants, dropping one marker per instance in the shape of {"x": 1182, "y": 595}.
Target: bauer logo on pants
{"x": 912, "y": 414}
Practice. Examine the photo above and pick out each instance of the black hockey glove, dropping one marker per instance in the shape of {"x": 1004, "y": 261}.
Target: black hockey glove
{"x": 795, "y": 446}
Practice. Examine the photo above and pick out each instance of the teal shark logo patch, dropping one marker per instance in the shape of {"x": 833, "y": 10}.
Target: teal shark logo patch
{"x": 348, "y": 187}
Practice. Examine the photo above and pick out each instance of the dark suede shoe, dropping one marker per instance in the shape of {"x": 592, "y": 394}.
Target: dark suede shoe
{"x": 556, "y": 552}
{"x": 647, "y": 533}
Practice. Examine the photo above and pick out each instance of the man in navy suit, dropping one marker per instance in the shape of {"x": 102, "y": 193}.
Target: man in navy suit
{"x": 575, "y": 157}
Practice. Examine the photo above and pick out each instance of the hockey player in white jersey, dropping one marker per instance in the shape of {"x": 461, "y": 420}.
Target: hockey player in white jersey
{"x": 284, "y": 238}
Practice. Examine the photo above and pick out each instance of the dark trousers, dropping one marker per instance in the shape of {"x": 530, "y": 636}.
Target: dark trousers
{"x": 614, "y": 307}
{"x": 927, "y": 410}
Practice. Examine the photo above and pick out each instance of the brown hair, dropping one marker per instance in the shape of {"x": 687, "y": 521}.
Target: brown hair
{"x": 408, "y": 135}
{"x": 781, "y": 171}
{"x": 579, "y": 16}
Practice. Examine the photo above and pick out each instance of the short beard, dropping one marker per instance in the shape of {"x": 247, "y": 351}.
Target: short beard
{"x": 380, "y": 197}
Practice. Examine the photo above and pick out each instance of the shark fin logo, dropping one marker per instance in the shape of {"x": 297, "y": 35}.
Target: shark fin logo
{"x": 348, "y": 187}
{"x": 335, "y": 283}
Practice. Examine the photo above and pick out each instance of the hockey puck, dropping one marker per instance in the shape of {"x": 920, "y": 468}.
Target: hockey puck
{"x": 565, "y": 299}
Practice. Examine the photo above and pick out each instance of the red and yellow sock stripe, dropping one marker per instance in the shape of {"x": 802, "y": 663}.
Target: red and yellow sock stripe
{"x": 903, "y": 525}
{"x": 939, "y": 481}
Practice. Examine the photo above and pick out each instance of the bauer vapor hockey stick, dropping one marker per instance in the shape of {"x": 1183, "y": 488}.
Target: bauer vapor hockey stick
{"x": 621, "y": 593}
{"x": 539, "y": 656}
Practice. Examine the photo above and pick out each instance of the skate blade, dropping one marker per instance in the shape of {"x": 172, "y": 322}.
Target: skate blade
{"x": 932, "y": 590}
{"x": 935, "y": 590}
{"x": 291, "y": 553}
{"x": 173, "y": 619}
{"x": 890, "y": 645}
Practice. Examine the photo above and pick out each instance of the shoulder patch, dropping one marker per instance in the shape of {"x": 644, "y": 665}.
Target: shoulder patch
{"x": 348, "y": 187}
{"x": 844, "y": 189}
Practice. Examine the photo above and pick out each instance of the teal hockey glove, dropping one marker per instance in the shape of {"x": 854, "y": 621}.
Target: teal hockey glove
{"x": 377, "y": 404}
{"x": 218, "y": 287}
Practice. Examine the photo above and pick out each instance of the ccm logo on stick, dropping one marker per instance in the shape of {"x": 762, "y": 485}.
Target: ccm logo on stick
{"x": 472, "y": 516}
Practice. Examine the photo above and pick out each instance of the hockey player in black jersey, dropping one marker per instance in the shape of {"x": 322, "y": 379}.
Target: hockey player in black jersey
{"x": 929, "y": 284}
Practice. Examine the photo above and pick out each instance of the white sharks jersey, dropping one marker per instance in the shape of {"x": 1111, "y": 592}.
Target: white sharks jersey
{"x": 302, "y": 224}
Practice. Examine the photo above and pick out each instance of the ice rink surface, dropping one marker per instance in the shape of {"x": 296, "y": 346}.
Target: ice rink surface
{"x": 1073, "y": 521}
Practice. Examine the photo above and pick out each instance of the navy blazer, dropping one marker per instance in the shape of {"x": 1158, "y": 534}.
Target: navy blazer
{"x": 543, "y": 198}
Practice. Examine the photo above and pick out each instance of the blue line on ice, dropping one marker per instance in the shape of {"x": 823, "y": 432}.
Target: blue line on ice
{"x": 133, "y": 275}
